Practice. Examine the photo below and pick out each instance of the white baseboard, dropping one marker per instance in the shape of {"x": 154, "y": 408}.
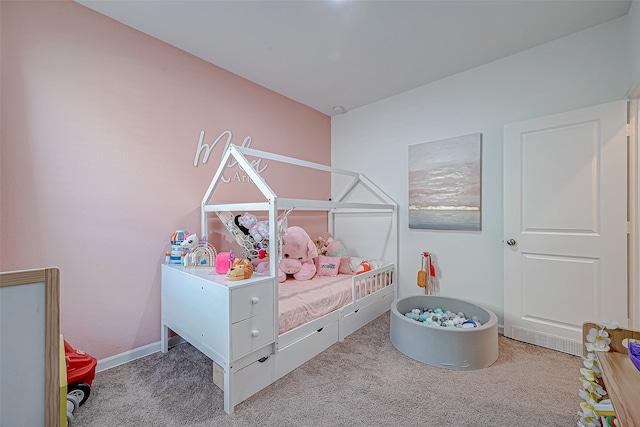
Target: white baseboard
{"x": 136, "y": 353}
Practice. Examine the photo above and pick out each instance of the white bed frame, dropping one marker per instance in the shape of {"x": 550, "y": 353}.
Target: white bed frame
{"x": 236, "y": 323}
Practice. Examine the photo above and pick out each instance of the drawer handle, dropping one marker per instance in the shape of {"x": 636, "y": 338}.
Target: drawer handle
{"x": 255, "y": 333}
{"x": 255, "y": 300}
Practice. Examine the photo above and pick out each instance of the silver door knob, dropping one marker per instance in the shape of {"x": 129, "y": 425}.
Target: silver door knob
{"x": 511, "y": 242}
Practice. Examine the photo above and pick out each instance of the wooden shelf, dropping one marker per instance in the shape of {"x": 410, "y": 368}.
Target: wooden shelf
{"x": 622, "y": 381}
{"x": 620, "y": 376}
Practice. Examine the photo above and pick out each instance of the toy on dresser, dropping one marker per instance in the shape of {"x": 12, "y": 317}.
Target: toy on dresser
{"x": 224, "y": 261}
{"x": 198, "y": 253}
{"x": 241, "y": 269}
{"x": 234, "y": 268}
{"x": 187, "y": 250}
{"x": 177, "y": 252}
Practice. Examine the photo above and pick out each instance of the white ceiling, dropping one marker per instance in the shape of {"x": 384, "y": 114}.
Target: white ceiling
{"x": 351, "y": 53}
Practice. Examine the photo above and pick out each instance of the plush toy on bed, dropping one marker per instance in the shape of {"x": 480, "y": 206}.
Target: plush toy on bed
{"x": 298, "y": 252}
{"x": 331, "y": 247}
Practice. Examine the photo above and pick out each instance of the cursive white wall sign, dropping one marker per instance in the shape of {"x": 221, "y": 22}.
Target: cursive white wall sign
{"x": 202, "y": 146}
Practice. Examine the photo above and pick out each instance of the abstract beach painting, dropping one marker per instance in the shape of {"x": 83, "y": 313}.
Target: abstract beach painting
{"x": 445, "y": 184}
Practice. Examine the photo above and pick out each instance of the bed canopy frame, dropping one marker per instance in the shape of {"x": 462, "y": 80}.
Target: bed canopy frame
{"x": 274, "y": 204}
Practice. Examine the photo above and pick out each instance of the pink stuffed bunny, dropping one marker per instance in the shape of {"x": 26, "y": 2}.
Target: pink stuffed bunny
{"x": 298, "y": 251}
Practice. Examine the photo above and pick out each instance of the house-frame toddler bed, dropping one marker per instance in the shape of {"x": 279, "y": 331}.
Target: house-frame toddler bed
{"x": 243, "y": 326}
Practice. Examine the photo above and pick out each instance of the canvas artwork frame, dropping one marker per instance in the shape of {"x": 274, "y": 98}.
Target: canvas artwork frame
{"x": 445, "y": 184}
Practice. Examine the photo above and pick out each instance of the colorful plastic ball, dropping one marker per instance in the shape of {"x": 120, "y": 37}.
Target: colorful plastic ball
{"x": 470, "y": 324}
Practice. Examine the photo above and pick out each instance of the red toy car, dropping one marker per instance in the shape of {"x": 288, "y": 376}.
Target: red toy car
{"x": 81, "y": 370}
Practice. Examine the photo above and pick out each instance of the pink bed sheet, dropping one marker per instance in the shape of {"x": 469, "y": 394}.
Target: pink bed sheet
{"x": 303, "y": 301}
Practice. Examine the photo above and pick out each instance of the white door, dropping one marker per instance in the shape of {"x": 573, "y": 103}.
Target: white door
{"x": 565, "y": 225}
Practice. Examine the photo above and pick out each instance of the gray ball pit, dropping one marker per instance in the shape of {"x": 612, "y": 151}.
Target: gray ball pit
{"x": 451, "y": 348}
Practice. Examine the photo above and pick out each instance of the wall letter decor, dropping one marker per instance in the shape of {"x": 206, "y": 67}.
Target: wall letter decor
{"x": 202, "y": 146}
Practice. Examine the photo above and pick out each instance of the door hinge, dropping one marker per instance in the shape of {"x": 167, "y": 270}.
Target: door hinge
{"x": 628, "y": 129}
{"x": 628, "y": 227}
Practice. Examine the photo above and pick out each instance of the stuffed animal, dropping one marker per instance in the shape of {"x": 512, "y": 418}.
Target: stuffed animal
{"x": 237, "y": 221}
{"x": 298, "y": 252}
{"x": 241, "y": 269}
{"x": 190, "y": 241}
{"x": 363, "y": 267}
{"x": 319, "y": 247}
{"x": 260, "y": 231}
{"x": 332, "y": 247}
{"x": 199, "y": 252}
{"x": 250, "y": 226}
{"x": 245, "y": 222}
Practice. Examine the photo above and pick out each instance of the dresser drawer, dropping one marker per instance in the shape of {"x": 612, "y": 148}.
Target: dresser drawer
{"x": 249, "y": 301}
{"x": 251, "y": 334}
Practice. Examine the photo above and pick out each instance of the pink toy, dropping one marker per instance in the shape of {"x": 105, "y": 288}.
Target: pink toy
{"x": 330, "y": 246}
{"x": 298, "y": 252}
{"x": 224, "y": 261}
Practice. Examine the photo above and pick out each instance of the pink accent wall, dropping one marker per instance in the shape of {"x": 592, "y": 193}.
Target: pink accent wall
{"x": 99, "y": 130}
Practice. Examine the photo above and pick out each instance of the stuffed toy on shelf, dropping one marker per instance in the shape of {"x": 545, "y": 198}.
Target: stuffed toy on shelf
{"x": 250, "y": 226}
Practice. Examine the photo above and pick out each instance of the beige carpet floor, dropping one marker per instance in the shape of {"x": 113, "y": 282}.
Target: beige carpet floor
{"x": 363, "y": 381}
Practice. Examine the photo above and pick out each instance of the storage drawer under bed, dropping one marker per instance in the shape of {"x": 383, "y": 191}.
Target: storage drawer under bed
{"x": 256, "y": 375}
{"x": 355, "y": 319}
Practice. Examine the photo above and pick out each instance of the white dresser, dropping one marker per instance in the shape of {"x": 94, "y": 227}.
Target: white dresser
{"x": 232, "y": 322}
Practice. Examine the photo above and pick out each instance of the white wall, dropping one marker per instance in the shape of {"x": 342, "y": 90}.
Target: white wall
{"x": 584, "y": 69}
{"x": 633, "y": 36}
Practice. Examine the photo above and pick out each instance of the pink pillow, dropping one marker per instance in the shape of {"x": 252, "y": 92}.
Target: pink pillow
{"x": 345, "y": 265}
{"x": 328, "y": 266}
